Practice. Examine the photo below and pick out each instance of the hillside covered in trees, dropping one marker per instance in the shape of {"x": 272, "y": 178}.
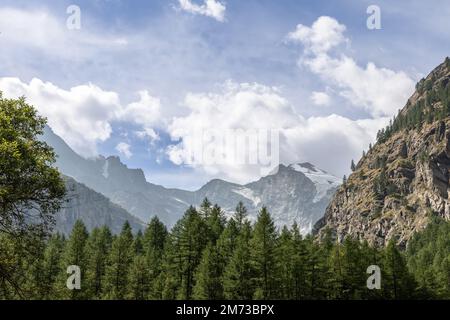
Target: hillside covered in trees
{"x": 207, "y": 257}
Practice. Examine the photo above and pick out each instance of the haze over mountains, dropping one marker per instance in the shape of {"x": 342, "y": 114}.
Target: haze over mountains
{"x": 299, "y": 192}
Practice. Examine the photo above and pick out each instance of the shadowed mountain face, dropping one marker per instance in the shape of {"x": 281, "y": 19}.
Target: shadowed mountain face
{"x": 403, "y": 181}
{"x": 94, "y": 209}
{"x": 298, "y": 192}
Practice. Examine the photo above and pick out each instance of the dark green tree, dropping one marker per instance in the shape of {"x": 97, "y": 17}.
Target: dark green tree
{"x": 239, "y": 272}
{"x": 119, "y": 261}
{"x": 263, "y": 246}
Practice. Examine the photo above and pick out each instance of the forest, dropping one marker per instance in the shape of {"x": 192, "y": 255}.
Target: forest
{"x": 206, "y": 256}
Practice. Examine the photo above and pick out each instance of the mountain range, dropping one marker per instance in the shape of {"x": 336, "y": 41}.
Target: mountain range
{"x": 298, "y": 192}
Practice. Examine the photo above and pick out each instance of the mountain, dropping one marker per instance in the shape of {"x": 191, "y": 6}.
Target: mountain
{"x": 94, "y": 209}
{"x": 297, "y": 192}
{"x": 403, "y": 181}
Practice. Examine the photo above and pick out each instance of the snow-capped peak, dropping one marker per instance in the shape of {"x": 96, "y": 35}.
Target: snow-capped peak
{"x": 323, "y": 180}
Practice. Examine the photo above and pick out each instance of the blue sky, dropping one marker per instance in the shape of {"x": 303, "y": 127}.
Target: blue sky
{"x": 181, "y": 57}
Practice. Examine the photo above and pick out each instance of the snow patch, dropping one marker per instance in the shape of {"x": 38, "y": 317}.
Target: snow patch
{"x": 105, "y": 172}
{"x": 249, "y": 194}
{"x": 321, "y": 179}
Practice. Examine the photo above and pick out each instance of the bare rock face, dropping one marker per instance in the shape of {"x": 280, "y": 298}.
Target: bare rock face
{"x": 404, "y": 179}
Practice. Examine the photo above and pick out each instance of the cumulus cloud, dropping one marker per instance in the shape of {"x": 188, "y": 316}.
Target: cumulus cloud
{"x": 82, "y": 115}
{"x": 124, "y": 149}
{"x": 145, "y": 112}
{"x": 324, "y": 34}
{"x": 210, "y": 8}
{"x": 255, "y": 106}
{"x": 380, "y": 91}
{"x": 320, "y": 98}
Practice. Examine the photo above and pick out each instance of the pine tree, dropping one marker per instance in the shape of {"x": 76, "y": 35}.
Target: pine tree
{"x": 215, "y": 223}
{"x": 263, "y": 246}
{"x": 138, "y": 243}
{"x": 74, "y": 254}
{"x": 98, "y": 248}
{"x": 155, "y": 237}
{"x": 139, "y": 279}
{"x": 52, "y": 265}
{"x": 397, "y": 281}
{"x": 240, "y": 215}
{"x": 119, "y": 261}
{"x": 208, "y": 277}
{"x": 239, "y": 272}
{"x": 317, "y": 271}
{"x": 205, "y": 208}
{"x": 189, "y": 238}
{"x": 353, "y": 270}
{"x": 285, "y": 253}
{"x": 299, "y": 258}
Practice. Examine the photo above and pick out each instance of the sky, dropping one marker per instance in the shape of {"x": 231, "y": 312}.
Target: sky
{"x": 139, "y": 79}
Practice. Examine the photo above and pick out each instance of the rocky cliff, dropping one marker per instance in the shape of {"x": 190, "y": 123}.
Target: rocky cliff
{"x": 94, "y": 209}
{"x": 403, "y": 180}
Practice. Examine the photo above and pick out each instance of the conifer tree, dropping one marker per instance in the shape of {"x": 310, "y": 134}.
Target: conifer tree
{"x": 74, "y": 255}
{"x": 240, "y": 215}
{"x": 189, "y": 239}
{"x": 119, "y": 261}
{"x": 208, "y": 277}
{"x": 285, "y": 253}
{"x": 139, "y": 279}
{"x": 397, "y": 281}
{"x": 98, "y": 248}
{"x": 154, "y": 240}
{"x": 238, "y": 274}
{"x": 51, "y": 265}
{"x": 215, "y": 223}
{"x": 299, "y": 258}
{"x": 263, "y": 244}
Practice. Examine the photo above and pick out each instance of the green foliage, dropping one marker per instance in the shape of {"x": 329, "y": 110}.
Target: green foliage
{"x": 429, "y": 258}
{"x": 31, "y": 189}
{"x": 238, "y": 274}
{"x": 119, "y": 261}
{"x": 255, "y": 262}
{"x": 432, "y": 106}
{"x": 75, "y": 255}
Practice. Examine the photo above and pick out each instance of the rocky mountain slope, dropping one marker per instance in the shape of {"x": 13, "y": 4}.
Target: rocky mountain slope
{"x": 298, "y": 192}
{"x": 94, "y": 209}
{"x": 404, "y": 179}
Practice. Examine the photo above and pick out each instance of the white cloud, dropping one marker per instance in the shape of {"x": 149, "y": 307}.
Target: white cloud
{"x": 320, "y": 98}
{"x": 82, "y": 115}
{"x": 210, "y": 8}
{"x": 124, "y": 149}
{"x": 324, "y": 34}
{"x": 145, "y": 112}
{"x": 254, "y": 106}
{"x": 380, "y": 91}
{"x": 38, "y": 29}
